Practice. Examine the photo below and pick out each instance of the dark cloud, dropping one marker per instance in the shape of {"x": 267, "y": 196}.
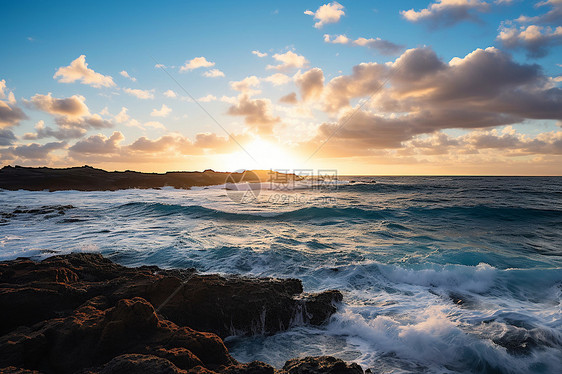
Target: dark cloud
{"x": 10, "y": 114}
{"x": 73, "y": 106}
{"x": 35, "y": 151}
{"x": 536, "y": 40}
{"x": 98, "y": 144}
{"x": 7, "y": 137}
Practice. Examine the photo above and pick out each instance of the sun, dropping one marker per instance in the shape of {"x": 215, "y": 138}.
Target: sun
{"x": 261, "y": 154}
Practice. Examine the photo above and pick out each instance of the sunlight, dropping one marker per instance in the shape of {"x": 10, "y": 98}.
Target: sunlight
{"x": 264, "y": 155}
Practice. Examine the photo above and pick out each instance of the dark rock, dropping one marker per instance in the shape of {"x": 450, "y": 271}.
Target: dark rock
{"x": 137, "y": 364}
{"x": 91, "y": 337}
{"x": 34, "y": 291}
{"x": 78, "y": 311}
{"x": 87, "y": 178}
{"x": 318, "y": 365}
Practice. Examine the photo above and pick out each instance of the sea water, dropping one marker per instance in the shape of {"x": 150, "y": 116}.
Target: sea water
{"x": 439, "y": 274}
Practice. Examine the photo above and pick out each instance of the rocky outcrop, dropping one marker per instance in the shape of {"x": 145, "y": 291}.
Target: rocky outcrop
{"x": 34, "y": 291}
{"x": 320, "y": 365}
{"x": 84, "y": 313}
{"x": 87, "y": 178}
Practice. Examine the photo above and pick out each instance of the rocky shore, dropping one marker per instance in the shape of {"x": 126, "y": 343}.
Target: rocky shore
{"x": 82, "y": 313}
{"x": 87, "y": 178}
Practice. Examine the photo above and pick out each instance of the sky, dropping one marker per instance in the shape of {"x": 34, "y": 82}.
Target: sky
{"x": 449, "y": 87}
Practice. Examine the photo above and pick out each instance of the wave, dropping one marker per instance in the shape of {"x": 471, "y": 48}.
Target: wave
{"x": 482, "y": 212}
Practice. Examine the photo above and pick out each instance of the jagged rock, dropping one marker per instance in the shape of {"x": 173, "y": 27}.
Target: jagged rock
{"x": 35, "y": 291}
{"x": 84, "y": 313}
{"x": 320, "y": 365}
{"x": 137, "y": 364}
{"x": 91, "y": 337}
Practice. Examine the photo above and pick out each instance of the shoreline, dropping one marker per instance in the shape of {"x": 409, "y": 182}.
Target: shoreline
{"x": 87, "y": 178}
{"x": 81, "y": 312}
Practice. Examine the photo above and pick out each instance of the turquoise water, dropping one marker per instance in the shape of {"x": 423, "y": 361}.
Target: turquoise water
{"x": 446, "y": 274}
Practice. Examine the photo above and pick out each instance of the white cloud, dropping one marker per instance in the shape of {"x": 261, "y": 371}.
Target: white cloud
{"x": 162, "y": 112}
{"x": 78, "y": 71}
{"x": 126, "y": 75}
{"x": 207, "y": 99}
{"x": 259, "y": 54}
{"x": 327, "y": 13}
{"x": 245, "y": 84}
{"x": 213, "y": 73}
{"x": 155, "y": 124}
{"x": 535, "y": 39}
{"x": 170, "y": 94}
{"x": 288, "y": 60}
{"x": 447, "y": 12}
{"x": 2, "y": 88}
{"x": 196, "y": 63}
{"x": 336, "y": 39}
{"x": 141, "y": 94}
{"x": 122, "y": 116}
{"x": 278, "y": 79}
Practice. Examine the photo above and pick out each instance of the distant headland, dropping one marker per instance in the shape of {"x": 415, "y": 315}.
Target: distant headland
{"x": 87, "y": 178}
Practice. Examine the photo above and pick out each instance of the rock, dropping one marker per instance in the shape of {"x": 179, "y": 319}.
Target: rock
{"x": 82, "y": 312}
{"x": 323, "y": 364}
{"x": 91, "y": 337}
{"x": 137, "y": 364}
{"x": 320, "y": 365}
{"x": 87, "y": 178}
{"x": 35, "y": 291}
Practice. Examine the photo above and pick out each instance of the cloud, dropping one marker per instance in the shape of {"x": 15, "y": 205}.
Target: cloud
{"x": 213, "y": 73}
{"x": 256, "y": 113}
{"x": 289, "y": 98}
{"x": 94, "y": 121}
{"x": 126, "y": 75}
{"x": 36, "y": 151}
{"x": 122, "y": 116}
{"x": 73, "y": 106}
{"x": 196, "y": 63}
{"x": 207, "y": 99}
{"x": 98, "y": 144}
{"x": 278, "y": 79}
{"x": 141, "y": 94}
{"x": 384, "y": 47}
{"x": 552, "y": 17}
{"x": 311, "y": 83}
{"x": 327, "y": 13}
{"x": 259, "y": 54}
{"x": 7, "y": 137}
{"x": 62, "y": 133}
{"x": 288, "y": 60}
{"x": 2, "y": 88}
{"x": 337, "y": 39}
{"x": 422, "y": 94}
{"x": 78, "y": 71}
{"x": 10, "y": 114}
{"x": 535, "y": 39}
{"x": 447, "y": 12}
{"x": 162, "y": 112}
{"x": 246, "y": 84}
{"x": 170, "y": 94}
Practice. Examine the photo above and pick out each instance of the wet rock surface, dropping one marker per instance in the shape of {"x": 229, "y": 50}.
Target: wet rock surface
{"x": 84, "y": 313}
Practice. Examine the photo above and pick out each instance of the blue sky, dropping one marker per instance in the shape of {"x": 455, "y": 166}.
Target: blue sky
{"x": 39, "y": 38}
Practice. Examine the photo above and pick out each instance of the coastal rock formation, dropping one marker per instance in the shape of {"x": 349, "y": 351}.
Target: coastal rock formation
{"x": 84, "y": 313}
{"x": 87, "y": 178}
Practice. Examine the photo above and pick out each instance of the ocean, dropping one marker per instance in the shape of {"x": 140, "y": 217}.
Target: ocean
{"x": 439, "y": 274}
